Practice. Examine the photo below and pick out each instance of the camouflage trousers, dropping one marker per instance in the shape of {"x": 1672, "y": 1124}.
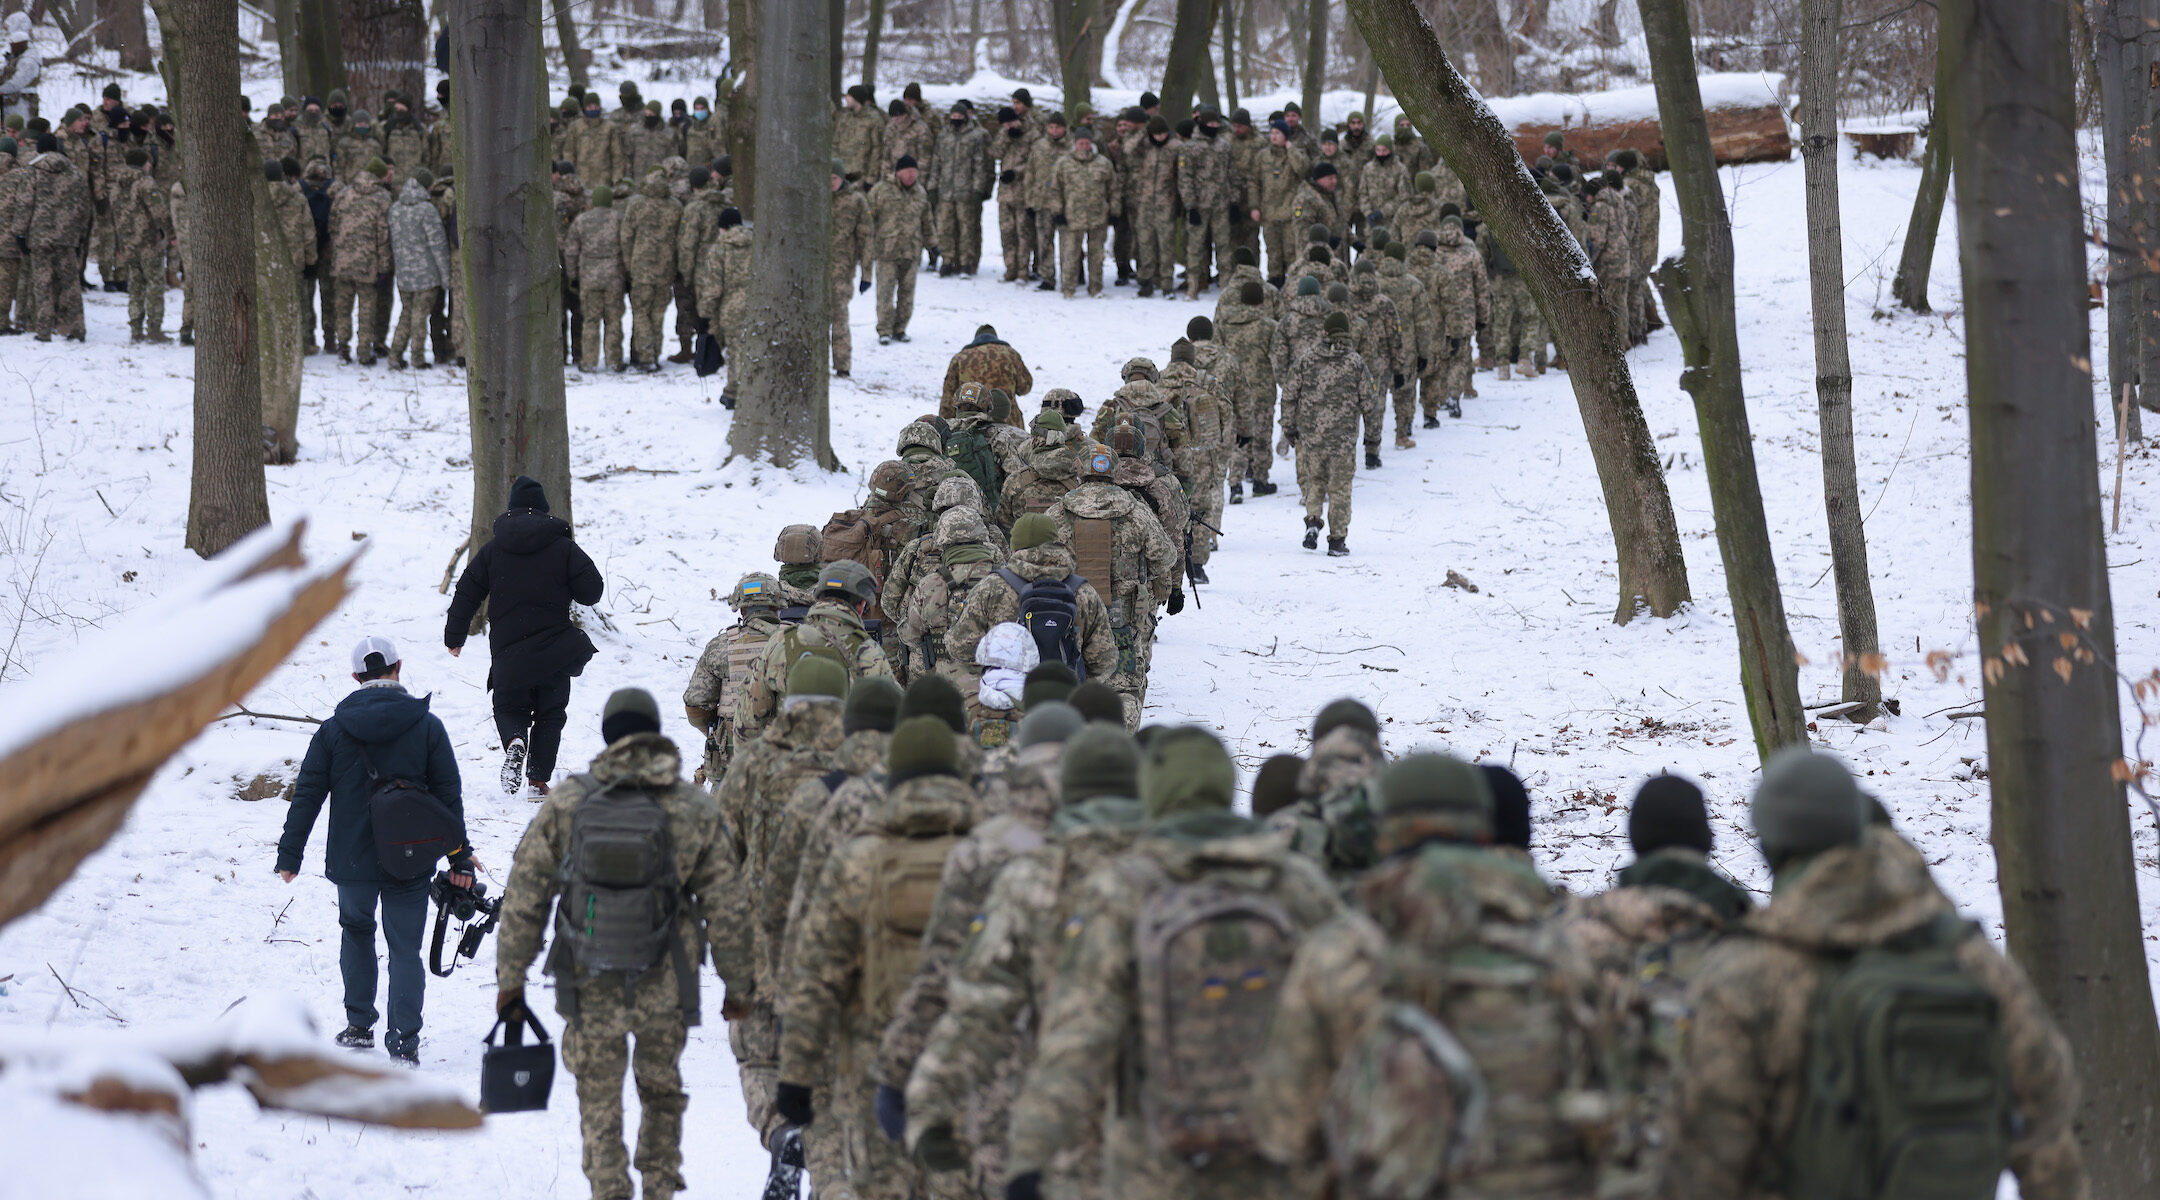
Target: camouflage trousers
{"x": 379, "y": 331}
{"x": 876, "y": 1167}
{"x": 1244, "y": 231}
{"x": 1202, "y": 242}
{"x": 146, "y": 295}
{"x": 686, "y": 314}
{"x": 11, "y": 277}
{"x": 1405, "y": 398}
{"x": 1122, "y": 243}
{"x": 449, "y": 320}
{"x": 843, "y": 343}
{"x": 648, "y": 314}
{"x": 1134, "y": 1170}
{"x": 1070, "y": 244}
{"x": 596, "y": 1049}
{"x": 896, "y": 293}
{"x": 414, "y": 309}
{"x": 1155, "y": 255}
{"x": 602, "y": 306}
{"x": 352, "y": 294}
{"x": 959, "y": 232}
{"x": 1285, "y": 243}
{"x": 733, "y": 328}
{"x": 755, "y": 1040}
{"x": 1013, "y": 236}
{"x": 1256, "y": 424}
{"x": 1207, "y": 501}
{"x": 1612, "y": 290}
{"x": 1324, "y": 474}
{"x": 1642, "y": 308}
{"x": 1449, "y": 372}
{"x": 1517, "y": 327}
{"x": 1045, "y": 246}
{"x": 104, "y": 242}
{"x": 55, "y": 291}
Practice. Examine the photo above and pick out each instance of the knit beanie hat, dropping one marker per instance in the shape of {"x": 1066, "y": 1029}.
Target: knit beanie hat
{"x": 628, "y": 711}
{"x": 1397, "y": 251}
{"x": 1336, "y": 323}
{"x": 1186, "y": 769}
{"x": 920, "y": 746}
{"x": 1511, "y": 806}
{"x": 1050, "y": 722}
{"x": 1097, "y": 702}
{"x": 1181, "y": 351}
{"x": 603, "y": 196}
{"x": 526, "y": 493}
{"x": 1339, "y": 294}
{"x": 377, "y": 167}
{"x": 1668, "y": 811}
{"x": 1033, "y": 530}
{"x": 1308, "y": 286}
{"x": 935, "y": 696}
{"x": 873, "y": 703}
{"x": 1433, "y": 796}
{"x": 1099, "y": 760}
{"x": 1243, "y": 257}
{"x": 1200, "y": 329}
{"x": 1252, "y": 294}
{"x": 816, "y": 677}
{"x": 1345, "y": 712}
{"x": 1805, "y": 804}
{"x": 1047, "y": 683}
{"x": 1277, "y": 785}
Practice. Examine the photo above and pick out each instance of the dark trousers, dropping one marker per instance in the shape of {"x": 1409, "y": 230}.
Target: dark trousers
{"x": 535, "y": 712}
{"x": 404, "y": 915}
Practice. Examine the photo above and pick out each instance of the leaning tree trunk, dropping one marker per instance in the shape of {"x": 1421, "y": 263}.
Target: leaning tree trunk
{"x": 386, "y": 46}
{"x": 1910, "y": 286}
{"x": 2040, "y": 578}
{"x": 122, "y": 27}
{"x": 227, "y": 497}
{"x": 573, "y": 50}
{"x": 2126, "y": 139}
{"x": 278, "y": 333}
{"x": 873, "y": 26}
{"x": 1316, "y": 30}
{"x": 782, "y": 415}
{"x": 1646, "y": 542}
{"x": 1072, "y": 27}
{"x": 507, "y": 250}
{"x": 742, "y": 103}
{"x": 1698, "y": 290}
{"x": 1188, "y": 53}
{"x": 1833, "y": 358}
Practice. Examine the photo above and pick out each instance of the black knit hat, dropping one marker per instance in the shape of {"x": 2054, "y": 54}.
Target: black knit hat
{"x": 1097, "y": 702}
{"x": 628, "y": 711}
{"x": 896, "y": 108}
{"x": 526, "y": 492}
{"x": 1200, "y": 329}
{"x": 920, "y": 746}
{"x": 1668, "y": 812}
{"x": 1345, "y": 712}
{"x": 1276, "y": 787}
{"x": 1046, "y": 682}
{"x": 905, "y": 162}
{"x": 935, "y": 696}
{"x": 1511, "y": 806}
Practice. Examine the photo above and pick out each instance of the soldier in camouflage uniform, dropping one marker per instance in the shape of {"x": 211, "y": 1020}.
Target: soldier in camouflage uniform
{"x": 907, "y": 134}
{"x": 1317, "y": 203}
{"x": 700, "y": 223}
{"x": 990, "y": 361}
{"x": 657, "y": 1007}
{"x": 355, "y": 145}
{"x": 961, "y": 181}
{"x": 1083, "y": 194}
{"x": 1248, "y": 334}
{"x": 962, "y": 1084}
{"x": 859, "y": 137}
{"x": 593, "y": 262}
{"x": 951, "y": 561}
{"x": 359, "y": 256}
{"x": 594, "y": 145}
{"x": 1456, "y": 276}
{"x": 1388, "y": 350}
{"x": 850, "y": 255}
{"x": 404, "y": 143}
{"x": 922, "y": 448}
{"x": 908, "y": 567}
{"x": 142, "y": 225}
{"x": 1202, "y": 398}
{"x": 1330, "y": 821}
{"x": 1010, "y": 148}
{"x": 1246, "y": 146}
{"x": 52, "y": 218}
{"x": 833, "y": 626}
{"x": 650, "y": 223}
{"x": 1843, "y": 886}
{"x": 1612, "y": 244}
{"x": 1119, "y": 545}
{"x": 1324, "y": 395}
{"x": 716, "y": 680}
{"x": 1383, "y": 182}
{"x": 1151, "y": 157}
{"x": 1051, "y": 470}
{"x": 1037, "y": 553}
{"x": 1642, "y": 188}
{"x": 1416, "y": 154}
{"x": 570, "y": 202}
{"x": 648, "y": 140}
{"x": 14, "y": 187}
{"x": 1279, "y": 177}
{"x": 1415, "y": 323}
{"x": 1141, "y": 395}
{"x": 421, "y": 253}
{"x": 1042, "y": 161}
{"x": 1244, "y": 268}
{"x": 703, "y": 139}
{"x": 1420, "y": 210}
{"x": 856, "y": 945}
{"x": 1094, "y": 1027}
{"x": 1207, "y": 188}
{"x": 899, "y": 225}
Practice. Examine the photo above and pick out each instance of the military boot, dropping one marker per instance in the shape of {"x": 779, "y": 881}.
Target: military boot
{"x": 1260, "y": 489}
{"x": 1372, "y": 458}
{"x": 1237, "y": 493}
{"x": 1338, "y": 547}
{"x": 1147, "y": 289}
{"x": 1404, "y": 441}
{"x": 1504, "y": 373}
{"x": 1312, "y": 535}
{"x": 1432, "y": 421}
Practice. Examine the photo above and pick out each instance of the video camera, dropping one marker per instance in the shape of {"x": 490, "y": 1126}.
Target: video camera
{"x": 469, "y": 904}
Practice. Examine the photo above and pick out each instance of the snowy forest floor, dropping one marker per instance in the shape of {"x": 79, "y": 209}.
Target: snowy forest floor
{"x": 181, "y": 915}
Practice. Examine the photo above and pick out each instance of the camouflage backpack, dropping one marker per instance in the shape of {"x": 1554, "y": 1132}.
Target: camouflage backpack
{"x": 620, "y": 900}
{"x": 1211, "y": 957}
{"x": 969, "y": 449}
{"x": 1474, "y": 965}
{"x": 903, "y": 889}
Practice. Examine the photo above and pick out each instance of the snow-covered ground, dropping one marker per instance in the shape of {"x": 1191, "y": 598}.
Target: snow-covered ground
{"x": 181, "y": 915}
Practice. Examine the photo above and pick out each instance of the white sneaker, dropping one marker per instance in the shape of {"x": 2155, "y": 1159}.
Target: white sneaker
{"x": 513, "y": 767}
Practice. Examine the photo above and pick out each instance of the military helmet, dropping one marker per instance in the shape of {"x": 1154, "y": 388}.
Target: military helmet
{"x": 1127, "y": 439}
{"x": 892, "y": 481}
{"x": 920, "y": 435}
{"x": 958, "y": 489}
{"x": 850, "y": 579}
{"x": 799, "y": 545}
{"x": 1101, "y": 463}
{"x": 1143, "y": 367}
{"x": 972, "y": 397}
{"x": 755, "y": 590}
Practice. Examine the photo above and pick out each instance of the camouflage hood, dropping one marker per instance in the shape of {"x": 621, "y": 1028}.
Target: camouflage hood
{"x": 1245, "y": 314}
{"x": 1095, "y": 498}
{"x": 413, "y": 194}
{"x": 919, "y": 435}
{"x": 1051, "y": 560}
{"x": 1392, "y": 268}
{"x": 925, "y": 806}
{"x": 961, "y": 526}
{"x": 654, "y": 185}
{"x": 1309, "y": 306}
{"x": 639, "y": 760}
{"x": 863, "y": 751}
{"x": 1132, "y": 473}
{"x": 1055, "y": 461}
{"x": 1142, "y": 395}
{"x": 1344, "y": 755}
{"x": 1436, "y": 894}
{"x": 1851, "y": 897}
{"x": 806, "y": 722}
{"x": 1190, "y": 844}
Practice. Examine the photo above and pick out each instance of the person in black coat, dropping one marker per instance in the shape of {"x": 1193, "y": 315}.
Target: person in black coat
{"x": 378, "y": 730}
{"x": 528, "y": 574}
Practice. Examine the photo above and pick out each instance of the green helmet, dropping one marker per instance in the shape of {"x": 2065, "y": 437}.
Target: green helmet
{"x": 850, "y": 579}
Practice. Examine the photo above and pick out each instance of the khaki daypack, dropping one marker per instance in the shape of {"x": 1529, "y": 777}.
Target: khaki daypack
{"x": 904, "y": 881}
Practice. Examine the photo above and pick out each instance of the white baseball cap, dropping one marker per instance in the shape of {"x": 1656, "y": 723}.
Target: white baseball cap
{"x": 373, "y": 645}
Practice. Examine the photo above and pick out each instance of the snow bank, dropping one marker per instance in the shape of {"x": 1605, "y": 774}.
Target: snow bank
{"x": 1738, "y": 89}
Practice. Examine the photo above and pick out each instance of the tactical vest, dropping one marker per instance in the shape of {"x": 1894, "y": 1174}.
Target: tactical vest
{"x": 1094, "y": 547}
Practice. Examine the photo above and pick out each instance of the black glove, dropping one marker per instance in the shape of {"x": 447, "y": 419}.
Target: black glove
{"x": 939, "y": 1150}
{"x": 1177, "y": 603}
{"x": 1398, "y": 379}
{"x": 891, "y": 1112}
{"x": 792, "y": 1102}
{"x": 704, "y": 325}
{"x": 383, "y": 280}
{"x": 22, "y": 243}
{"x": 1453, "y": 346}
{"x": 1334, "y": 243}
{"x": 1008, "y": 175}
{"x": 862, "y": 287}
{"x": 1192, "y": 216}
{"x": 1237, "y": 214}
{"x": 1421, "y": 365}
{"x": 932, "y": 252}
{"x": 1358, "y": 246}
{"x": 1244, "y": 440}
{"x": 1024, "y": 1187}
{"x": 1058, "y": 219}
{"x": 1290, "y": 436}
{"x": 1031, "y": 214}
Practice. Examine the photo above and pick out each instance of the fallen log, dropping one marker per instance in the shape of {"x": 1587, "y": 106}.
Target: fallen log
{"x": 1745, "y": 112}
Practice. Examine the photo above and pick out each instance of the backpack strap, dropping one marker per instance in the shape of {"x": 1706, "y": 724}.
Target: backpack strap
{"x": 832, "y": 780}
{"x": 1012, "y": 580}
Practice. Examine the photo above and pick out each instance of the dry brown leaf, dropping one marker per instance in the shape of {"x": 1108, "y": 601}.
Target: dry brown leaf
{"x": 1992, "y": 670}
{"x": 2062, "y": 668}
{"x": 1939, "y": 662}
{"x": 1799, "y": 659}
{"x": 2014, "y": 654}
{"x": 2082, "y": 616}
{"x": 1875, "y": 664}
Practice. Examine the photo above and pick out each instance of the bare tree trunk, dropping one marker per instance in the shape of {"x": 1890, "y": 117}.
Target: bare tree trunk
{"x": 1229, "y": 54}
{"x": 873, "y": 25}
{"x": 386, "y": 46}
{"x": 1530, "y": 17}
{"x": 1833, "y": 359}
{"x": 1698, "y": 290}
{"x": 1646, "y": 542}
{"x": 835, "y": 25}
{"x": 1608, "y": 22}
{"x": 507, "y": 251}
{"x": 292, "y": 68}
{"x": 743, "y": 103}
{"x": 319, "y": 46}
{"x": 1015, "y": 40}
{"x": 575, "y": 59}
{"x": 974, "y": 39}
{"x": 227, "y": 498}
{"x": 2040, "y": 579}
{"x": 1188, "y": 51}
{"x": 1072, "y": 26}
{"x": 278, "y": 334}
{"x": 2126, "y": 137}
{"x": 782, "y": 415}
{"x": 1316, "y": 31}
{"x": 1910, "y": 286}
{"x": 123, "y": 27}
{"x": 1489, "y": 44}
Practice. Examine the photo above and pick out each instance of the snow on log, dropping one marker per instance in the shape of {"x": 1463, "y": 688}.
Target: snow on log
{"x": 1745, "y": 110}
{"x": 81, "y": 739}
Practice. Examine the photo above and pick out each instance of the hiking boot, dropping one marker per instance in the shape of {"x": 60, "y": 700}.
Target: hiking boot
{"x": 344, "y": 355}
{"x": 1196, "y": 572}
{"x": 539, "y": 789}
{"x": 44, "y": 337}
{"x": 1312, "y": 537}
{"x": 357, "y": 1037}
{"x": 407, "y": 1050}
{"x": 1338, "y": 548}
{"x": 1372, "y": 459}
{"x": 397, "y": 364}
{"x": 1046, "y": 286}
{"x": 1484, "y": 362}
{"x": 884, "y": 339}
{"x": 513, "y": 767}
{"x": 1237, "y": 493}
{"x": 157, "y": 339}
{"x": 680, "y": 356}
{"x": 1469, "y": 393}
{"x": 1147, "y": 289}
{"x": 8, "y": 331}
{"x": 1432, "y": 421}
{"x": 1260, "y": 488}
{"x": 1404, "y": 441}
{"x": 1505, "y": 373}
{"x": 187, "y": 338}
{"x": 900, "y": 335}
{"x": 421, "y": 364}
{"x": 1454, "y": 408}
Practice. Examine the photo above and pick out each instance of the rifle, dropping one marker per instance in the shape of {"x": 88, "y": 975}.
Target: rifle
{"x": 1192, "y": 584}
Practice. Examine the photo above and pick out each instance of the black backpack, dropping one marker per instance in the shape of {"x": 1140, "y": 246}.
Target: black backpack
{"x": 412, "y": 827}
{"x": 1050, "y": 612}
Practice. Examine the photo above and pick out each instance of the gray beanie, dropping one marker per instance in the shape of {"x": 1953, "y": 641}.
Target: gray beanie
{"x": 1806, "y": 803}
{"x": 1052, "y": 722}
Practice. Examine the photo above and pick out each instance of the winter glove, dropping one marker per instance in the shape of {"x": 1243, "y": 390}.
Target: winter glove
{"x": 22, "y": 243}
{"x": 510, "y": 1004}
{"x": 932, "y": 252}
{"x": 1358, "y": 246}
{"x": 1334, "y": 243}
{"x": 1192, "y": 216}
{"x": 1454, "y": 346}
{"x": 1058, "y": 219}
{"x": 704, "y": 325}
{"x": 1290, "y": 436}
{"x": 733, "y": 1007}
{"x": 1244, "y": 440}
{"x": 1421, "y": 365}
{"x": 1177, "y": 603}
{"x": 891, "y": 1112}
{"x": 938, "y": 1150}
{"x": 862, "y": 287}
{"x": 1282, "y": 447}
{"x": 1007, "y": 176}
{"x": 1237, "y": 215}
{"x": 792, "y": 1102}
{"x": 1024, "y": 1187}
{"x": 1398, "y": 379}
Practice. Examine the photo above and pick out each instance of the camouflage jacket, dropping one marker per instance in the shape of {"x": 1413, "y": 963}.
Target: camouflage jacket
{"x": 1009, "y": 154}
{"x": 289, "y": 208}
{"x": 850, "y": 234}
{"x": 994, "y": 602}
{"x": 570, "y": 201}
{"x": 699, "y": 225}
{"x": 1042, "y": 160}
{"x": 53, "y": 210}
{"x": 912, "y": 136}
{"x": 859, "y": 143}
{"x": 646, "y": 142}
{"x": 650, "y": 222}
{"x": 314, "y": 137}
{"x": 1245, "y": 151}
{"x": 703, "y": 141}
{"x": 899, "y": 220}
{"x": 991, "y": 363}
{"x": 1091, "y": 1028}
{"x": 272, "y": 144}
{"x": 1387, "y": 344}
{"x": 1297, "y": 334}
{"x": 963, "y": 174}
{"x": 723, "y": 276}
{"x": 1247, "y": 333}
{"x": 1332, "y": 820}
{"x": 1743, "y": 1075}
{"x": 801, "y": 743}
{"x": 142, "y": 218}
{"x": 1642, "y": 187}
{"x": 360, "y": 230}
{"x": 355, "y": 145}
{"x": 1152, "y": 167}
{"x": 945, "y": 573}
{"x": 649, "y": 761}
{"x": 1203, "y": 403}
{"x": 822, "y": 812}
{"x": 710, "y": 689}
{"x": 828, "y": 622}
{"x": 825, "y": 1006}
{"x": 1314, "y": 206}
{"x": 1325, "y": 394}
{"x": 1418, "y": 212}
{"x": 404, "y": 144}
{"x": 1051, "y": 471}
{"x": 1455, "y": 279}
{"x": 592, "y": 257}
{"x": 1278, "y": 183}
{"x": 418, "y": 247}
{"x": 1144, "y": 558}
{"x": 441, "y": 154}
{"x": 1383, "y": 184}
{"x": 1084, "y": 189}
{"x": 595, "y": 145}
{"x": 1413, "y": 312}
{"x": 1144, "y": 396}
{"x": 1612, "y": 221}
{"x": 1239, "y": 277}
{"x": 1206, "y": 179}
